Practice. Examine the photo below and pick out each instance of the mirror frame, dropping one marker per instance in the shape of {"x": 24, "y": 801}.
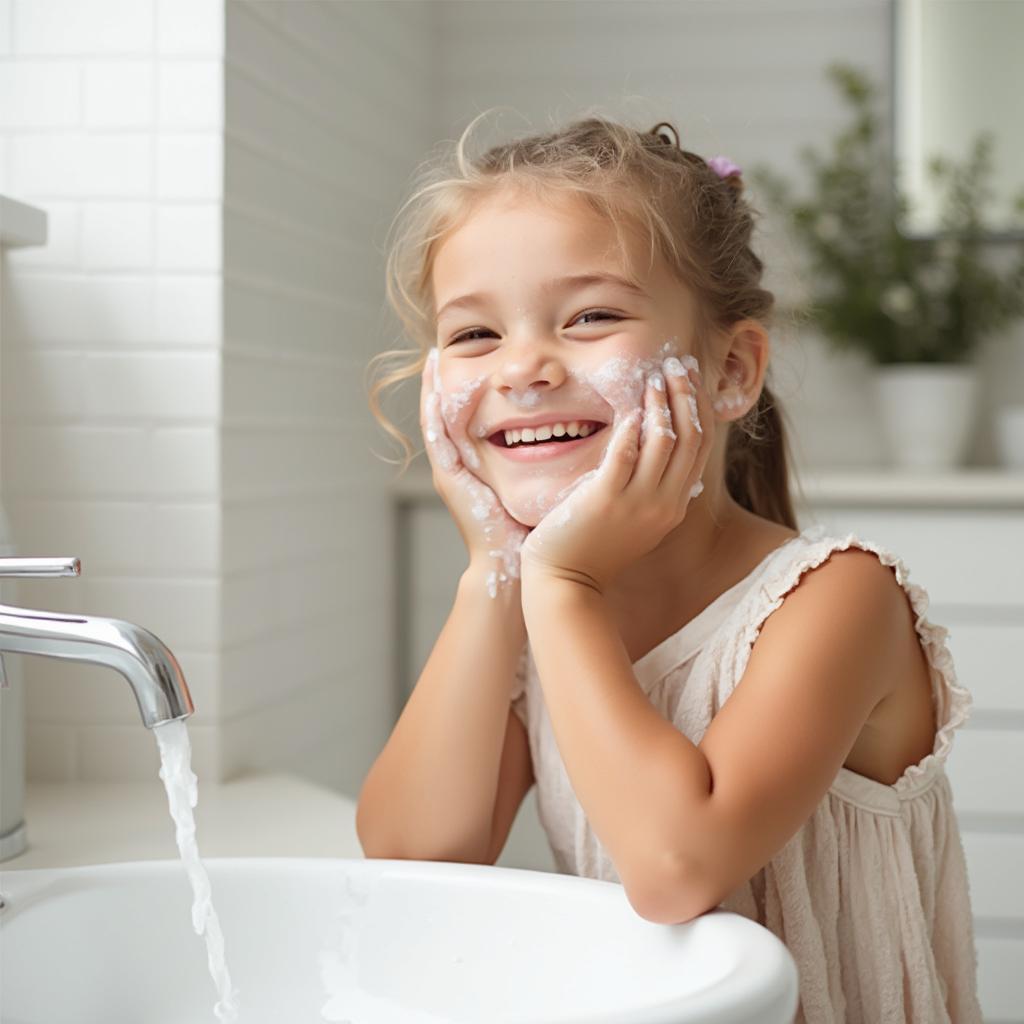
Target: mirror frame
{"x": 898, "y": 15}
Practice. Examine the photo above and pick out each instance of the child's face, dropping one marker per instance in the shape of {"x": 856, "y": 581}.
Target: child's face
{"x": 522, "y": 351}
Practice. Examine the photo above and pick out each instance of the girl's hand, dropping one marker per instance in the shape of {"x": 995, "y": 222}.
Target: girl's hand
{"x": 492, "y": 537}
{"x": 639, "y": 493}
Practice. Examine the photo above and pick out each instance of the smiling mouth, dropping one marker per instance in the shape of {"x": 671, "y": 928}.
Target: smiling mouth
{"x": 578, "y": 431}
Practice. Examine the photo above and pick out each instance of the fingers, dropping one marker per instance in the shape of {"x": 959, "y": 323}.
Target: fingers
{"x": 658, "y": 439}
{"x": 620, "y": 457}
{"x": 440, "y": 449}
{"x": 690, "y": 455}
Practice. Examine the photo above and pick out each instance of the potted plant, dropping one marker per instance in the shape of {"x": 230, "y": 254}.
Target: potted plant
{"x": 917, "y": 307}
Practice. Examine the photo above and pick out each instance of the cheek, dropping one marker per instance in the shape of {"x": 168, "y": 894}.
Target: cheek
{"x": 460, "y": 395}
{"x": 621, "y": 378}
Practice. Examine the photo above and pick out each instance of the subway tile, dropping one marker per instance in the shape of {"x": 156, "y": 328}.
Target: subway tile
{"x": 259, "y": 671}
{"x": 152, "y": 386}
{"x": 69, "y": 309}
{"x": 249, "y": 605}
{"x": 278, "y": 736}
{"x": 118, "y": 236}
{"x": 192, "y": 94}
{"x": 117, "y": 165}
{"x": 120, "y": 94}
{"x": 85, "y": 26}
{"x": 188, "y": 310}
{"x": 46, "y": 165}
{"x": 40, "y": 385}
{"x": 40, "y": 94}
{"x": 190, "y": 166}
{"x": 51, "y": 754}
{"x": 108, "y": 536}
{"x": 184, "y": 462}
{"x": 190, "y": 27}
{"x": 189, "y": 237}
{"x": 185, "y": 539}
{"x": 70, "y": 166}
{"x": 5, "y": 26}
{"x": 75, "y": 461}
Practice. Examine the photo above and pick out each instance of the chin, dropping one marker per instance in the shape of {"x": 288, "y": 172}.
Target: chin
{"x": 529, "y": 501}
{"x": 529, "y": 498}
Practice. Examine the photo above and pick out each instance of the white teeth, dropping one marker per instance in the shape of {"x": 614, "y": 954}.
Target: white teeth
{"x": 545, "y": 433}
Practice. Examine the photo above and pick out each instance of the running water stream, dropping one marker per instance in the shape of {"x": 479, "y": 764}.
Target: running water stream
{"x": 182, "y": 795}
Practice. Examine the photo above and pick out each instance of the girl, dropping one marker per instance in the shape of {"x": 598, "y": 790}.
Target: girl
{"x": 718, "y": 708}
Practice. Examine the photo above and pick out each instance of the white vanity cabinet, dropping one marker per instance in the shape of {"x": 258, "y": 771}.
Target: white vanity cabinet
{"x": 961, "y": 536}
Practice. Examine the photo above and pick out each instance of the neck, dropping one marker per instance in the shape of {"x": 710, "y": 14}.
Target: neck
{"x": 684, "y": 563}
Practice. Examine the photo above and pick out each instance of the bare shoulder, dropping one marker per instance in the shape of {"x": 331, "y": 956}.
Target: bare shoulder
{"x": 853, "y": 603}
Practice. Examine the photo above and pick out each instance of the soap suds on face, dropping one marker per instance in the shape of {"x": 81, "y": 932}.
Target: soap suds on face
{"x": 524, "y": 400}
{"x": 621, "y": 381}
{"x": 452, "y": 404}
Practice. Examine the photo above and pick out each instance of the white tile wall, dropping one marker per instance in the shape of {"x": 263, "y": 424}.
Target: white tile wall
{"x": 182, "y": 398}
{"x": 111, "y": 390}
{"x": 316, "y": 157}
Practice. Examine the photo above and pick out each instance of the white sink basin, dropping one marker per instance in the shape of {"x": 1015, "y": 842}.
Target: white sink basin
{"x": 373, "y": 942}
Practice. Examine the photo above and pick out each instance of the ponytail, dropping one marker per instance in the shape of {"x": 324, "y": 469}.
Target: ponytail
{"x": 757, "y": 462}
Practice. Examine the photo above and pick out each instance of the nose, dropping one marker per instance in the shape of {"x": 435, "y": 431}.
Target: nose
{"x": 526, "y": 365}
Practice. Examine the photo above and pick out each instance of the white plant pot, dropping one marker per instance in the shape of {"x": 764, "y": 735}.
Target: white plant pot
{"x": 927, "y": 411}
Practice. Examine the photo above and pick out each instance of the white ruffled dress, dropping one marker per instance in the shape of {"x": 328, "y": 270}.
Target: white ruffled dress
{"x": 871, "y": 894}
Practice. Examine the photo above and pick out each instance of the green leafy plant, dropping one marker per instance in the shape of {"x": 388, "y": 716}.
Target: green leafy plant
{"x": 899, "y": 299}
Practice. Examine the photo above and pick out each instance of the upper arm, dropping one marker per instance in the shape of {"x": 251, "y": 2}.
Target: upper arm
{"x": 515, "y": 778}
{"x": 822, "y": 662}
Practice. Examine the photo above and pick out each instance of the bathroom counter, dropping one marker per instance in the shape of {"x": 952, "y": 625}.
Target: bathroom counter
{"x": 965, "y": 487}
{"x": 71, "y": 824}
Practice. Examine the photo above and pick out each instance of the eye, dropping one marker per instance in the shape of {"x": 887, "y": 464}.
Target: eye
{"x": 603, "y": 314}
{"x": 468, "y": 335}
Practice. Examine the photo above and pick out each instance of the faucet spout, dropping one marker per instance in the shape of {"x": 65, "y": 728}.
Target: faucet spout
{"x": 151, "y": 669}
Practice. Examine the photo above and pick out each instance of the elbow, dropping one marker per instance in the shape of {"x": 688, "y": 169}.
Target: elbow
{"x": 677, "y": 896}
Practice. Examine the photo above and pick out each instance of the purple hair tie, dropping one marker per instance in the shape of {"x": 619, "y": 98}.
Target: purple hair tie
{"x": 723, "y": 166}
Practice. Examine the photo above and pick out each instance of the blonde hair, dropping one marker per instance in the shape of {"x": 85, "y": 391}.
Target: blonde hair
{"x": 699, "y": 223}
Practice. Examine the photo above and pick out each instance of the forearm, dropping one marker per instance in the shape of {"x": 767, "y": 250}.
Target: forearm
{"x": 637, "y": 777}
{"x": 430, "y": 794}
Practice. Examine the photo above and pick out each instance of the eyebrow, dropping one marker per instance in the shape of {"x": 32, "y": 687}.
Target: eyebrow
{"x": 574, "y": 280}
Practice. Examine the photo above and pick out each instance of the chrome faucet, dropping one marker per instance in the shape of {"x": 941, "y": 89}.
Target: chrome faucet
{"x": 151, "y": 669}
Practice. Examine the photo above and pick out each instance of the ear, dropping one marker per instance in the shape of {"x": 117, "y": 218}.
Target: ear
{"x": 743, "y": 370}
